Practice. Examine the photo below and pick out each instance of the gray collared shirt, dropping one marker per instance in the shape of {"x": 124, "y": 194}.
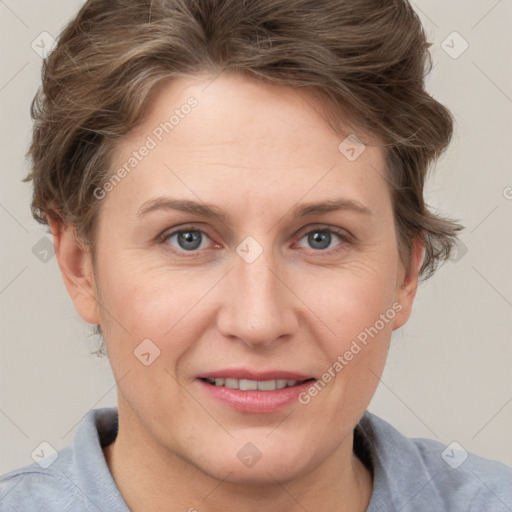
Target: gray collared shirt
{"x": 410, "y": 474}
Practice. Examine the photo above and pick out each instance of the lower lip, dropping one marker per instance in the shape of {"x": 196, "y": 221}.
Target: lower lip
{"x": 256, "y": 401}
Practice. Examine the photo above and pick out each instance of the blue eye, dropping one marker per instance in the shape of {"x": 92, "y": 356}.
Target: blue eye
{"x": 320, "y": 239}
{"x": 190, "y": 239}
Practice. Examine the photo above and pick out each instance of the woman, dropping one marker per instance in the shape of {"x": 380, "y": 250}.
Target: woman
{"x": 235, "y": 191}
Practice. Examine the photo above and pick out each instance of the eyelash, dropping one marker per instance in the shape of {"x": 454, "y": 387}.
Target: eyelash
{"x": 344, "y": 236}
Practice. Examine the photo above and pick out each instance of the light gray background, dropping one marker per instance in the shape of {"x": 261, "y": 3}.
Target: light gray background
{"x": 448, "y": 376}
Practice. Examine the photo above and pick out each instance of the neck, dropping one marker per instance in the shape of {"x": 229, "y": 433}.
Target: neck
{"x": 151, "y": 478}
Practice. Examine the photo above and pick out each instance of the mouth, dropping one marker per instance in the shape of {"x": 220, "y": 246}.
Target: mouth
{"x": 254, "y": 385}
{"x": 248, "y": 391}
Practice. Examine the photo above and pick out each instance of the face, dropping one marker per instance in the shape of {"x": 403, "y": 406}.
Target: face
{"x": 270, "y": 289}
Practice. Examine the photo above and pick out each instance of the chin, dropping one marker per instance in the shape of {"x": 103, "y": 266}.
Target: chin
{"x": 250, "y": 466}
{"x": 261, "y": 474}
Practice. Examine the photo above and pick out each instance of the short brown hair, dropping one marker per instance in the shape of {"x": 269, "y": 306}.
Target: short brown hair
{"x": 366, "y": 58}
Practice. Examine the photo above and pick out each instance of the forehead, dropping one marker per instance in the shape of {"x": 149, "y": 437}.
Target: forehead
{"x": 210, "y": 136}
{"x": 241, "y": 106}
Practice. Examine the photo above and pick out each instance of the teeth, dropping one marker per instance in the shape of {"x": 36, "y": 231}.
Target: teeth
{"x": 252, "y": 385}
{"x": 231, "y": 383}
{"x": 248, "y": 385}
{"x": 267, "y": 385}
{"x": 280, "y": 384}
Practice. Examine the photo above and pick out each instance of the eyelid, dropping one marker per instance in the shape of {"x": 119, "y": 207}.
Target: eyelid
{"x": 181, "y": 229}
{"x": 345, "y": 236}
{"x": 341, "y": 232}
{"x": 346, "y": 239}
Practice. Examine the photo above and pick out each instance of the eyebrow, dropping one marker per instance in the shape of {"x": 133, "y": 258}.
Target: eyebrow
{"x": 201, "y": 209}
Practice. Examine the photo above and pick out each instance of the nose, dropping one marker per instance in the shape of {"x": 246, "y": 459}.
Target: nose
{"x": 259, "y": 307}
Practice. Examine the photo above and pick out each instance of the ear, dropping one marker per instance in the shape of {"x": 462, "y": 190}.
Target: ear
{"x": 75, "y": 264}
{"x": 408, "y": 283}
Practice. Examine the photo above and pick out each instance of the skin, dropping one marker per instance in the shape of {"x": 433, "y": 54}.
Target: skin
{"x": 255, "y": 151}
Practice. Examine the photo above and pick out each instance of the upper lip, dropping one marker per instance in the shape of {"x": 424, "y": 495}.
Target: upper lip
{"x": 241, "y": 373}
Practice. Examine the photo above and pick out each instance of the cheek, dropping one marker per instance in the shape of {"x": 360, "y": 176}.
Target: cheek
{"x": 155, "y": 303}
{"x": 358, "y": 306}
{"x": 362, "y": 332}
{"x": 361, "y": 317}
{"x": 356, "y": 296}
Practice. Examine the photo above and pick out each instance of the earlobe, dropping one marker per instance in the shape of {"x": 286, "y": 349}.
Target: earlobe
{"x": 406, "y": 290}
{"x": 75, "y": 264}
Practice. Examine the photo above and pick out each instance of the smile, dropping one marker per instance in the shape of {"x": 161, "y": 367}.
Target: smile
{"x": 254, "y": 396}
{"x": 253, "y": 385}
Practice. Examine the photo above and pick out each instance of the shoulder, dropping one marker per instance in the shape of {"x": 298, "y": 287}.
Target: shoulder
{"x": 466, "y": 480}
{"x": 424, "y": 474}
{"x": 74, "y": 479}
{"x": 34, "y": 487}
